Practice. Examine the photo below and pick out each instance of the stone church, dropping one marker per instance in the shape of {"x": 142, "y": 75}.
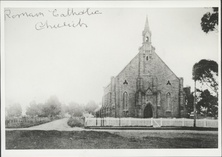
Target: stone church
{"x": 145, "y": 88}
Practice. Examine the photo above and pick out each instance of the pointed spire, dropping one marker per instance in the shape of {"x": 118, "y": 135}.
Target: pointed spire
{"x": 146, "y": 32}
{"x": 147, "y": 28}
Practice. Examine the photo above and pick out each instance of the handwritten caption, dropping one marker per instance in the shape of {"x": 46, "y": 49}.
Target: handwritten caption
{"x": 70, "y": 12}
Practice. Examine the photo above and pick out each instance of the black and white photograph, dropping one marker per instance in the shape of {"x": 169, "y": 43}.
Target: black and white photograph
{"x": 133, "y": 79}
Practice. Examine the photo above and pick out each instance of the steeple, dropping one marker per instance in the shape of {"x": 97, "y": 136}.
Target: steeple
{"x": 147, "y": 28}
{"x": 146, "y": 32}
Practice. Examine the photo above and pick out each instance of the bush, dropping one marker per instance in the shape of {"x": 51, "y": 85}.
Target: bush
{"x": 75, "y": 122}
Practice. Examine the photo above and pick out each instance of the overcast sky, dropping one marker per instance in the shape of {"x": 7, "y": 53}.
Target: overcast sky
{"x": 76, "y": 63}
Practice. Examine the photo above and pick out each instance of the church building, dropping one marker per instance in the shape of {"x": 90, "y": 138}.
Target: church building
{"x": 145, "y": 88}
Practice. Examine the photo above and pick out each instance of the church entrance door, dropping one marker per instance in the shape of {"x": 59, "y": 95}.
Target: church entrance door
{"x": 148, "y": 112}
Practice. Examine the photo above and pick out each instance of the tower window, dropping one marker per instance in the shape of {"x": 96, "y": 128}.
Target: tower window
{"x": 147, "y": 39}
{"x": 147, "y": 58}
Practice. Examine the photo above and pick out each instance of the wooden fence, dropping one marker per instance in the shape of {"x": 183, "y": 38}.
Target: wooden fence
{"x": 17, "y": 121}
{"x": 150, "y": 122}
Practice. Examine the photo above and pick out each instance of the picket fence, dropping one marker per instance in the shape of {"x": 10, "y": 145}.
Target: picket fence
{"x": 149, "y": 122}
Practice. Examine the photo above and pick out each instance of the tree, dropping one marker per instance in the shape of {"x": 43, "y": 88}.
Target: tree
{"x": 209, "y": 103}
{"x": 52, "y": 107}
{"x": 45, "y": 111}
{"x": 75, "y": 109}
{"x": 64, "y": 110}
{"x": 206, "y": 72}
{"x": 41, "y": 112}
{"x": 189, "y": 99}
{"x": 14, "y": 110}
{"x": 209, "y": 21}
{"x": 33, "y": 109}
{"x": 91, "y": 106}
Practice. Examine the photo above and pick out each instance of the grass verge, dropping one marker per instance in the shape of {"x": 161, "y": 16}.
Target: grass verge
{"x": 36, "y": 139}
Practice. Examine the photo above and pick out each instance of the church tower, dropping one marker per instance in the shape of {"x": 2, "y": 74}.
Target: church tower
{"x": 144, "y": 51}
{"x": 146, "y": 81}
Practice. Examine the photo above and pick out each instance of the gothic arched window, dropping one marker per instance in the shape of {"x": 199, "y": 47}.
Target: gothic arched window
{"x": 125, "y": 99}
{"x": 168, "y": 95}
{"x": 110, "y": 98}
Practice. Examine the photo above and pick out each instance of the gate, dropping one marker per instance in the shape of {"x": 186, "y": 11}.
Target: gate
{"x": 157, "y": 122}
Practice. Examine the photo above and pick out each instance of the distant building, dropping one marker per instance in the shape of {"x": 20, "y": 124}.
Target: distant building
{"x": 145, "y": 88}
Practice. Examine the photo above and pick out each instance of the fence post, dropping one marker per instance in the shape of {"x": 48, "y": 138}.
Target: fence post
{"x": 183, "y": 122}
{"x": 85, "y": 121}
{"x": 205, "y": 122}
{"x": 161, "y": 122}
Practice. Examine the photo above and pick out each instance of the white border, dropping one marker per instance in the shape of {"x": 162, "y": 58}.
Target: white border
{"x": 106, "y": 152}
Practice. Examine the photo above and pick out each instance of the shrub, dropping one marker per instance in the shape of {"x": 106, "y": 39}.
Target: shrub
{"x": 75, "y": 122}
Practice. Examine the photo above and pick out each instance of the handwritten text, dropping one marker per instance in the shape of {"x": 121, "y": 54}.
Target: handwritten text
{"x": 24, "y": 14}
{"x": 41, "y": 25}
{"x": 55, "y": 14}
{"x": 71, "y": 12}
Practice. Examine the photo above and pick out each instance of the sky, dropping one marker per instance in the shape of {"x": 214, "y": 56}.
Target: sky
{"x": 75, "y": 63}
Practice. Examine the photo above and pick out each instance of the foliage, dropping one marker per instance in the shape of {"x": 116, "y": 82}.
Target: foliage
{"x": 34, "y": 109}
{"x": 209, "y": 103}
{"x": 52, "y": 107}
{"x": 206, "y": 72}
{"x": 43, "y": 110}
{"x": 64, "y": 110}
{"x": 91, "y": 106}
{"x": 75, "y": 109}
{"x": 75, "y": 122}
{"x": 189, "y": 99}
{"x": 209, "y": 20}
{"x": 88, "y": 115}
{"x": 14, "y": 110}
